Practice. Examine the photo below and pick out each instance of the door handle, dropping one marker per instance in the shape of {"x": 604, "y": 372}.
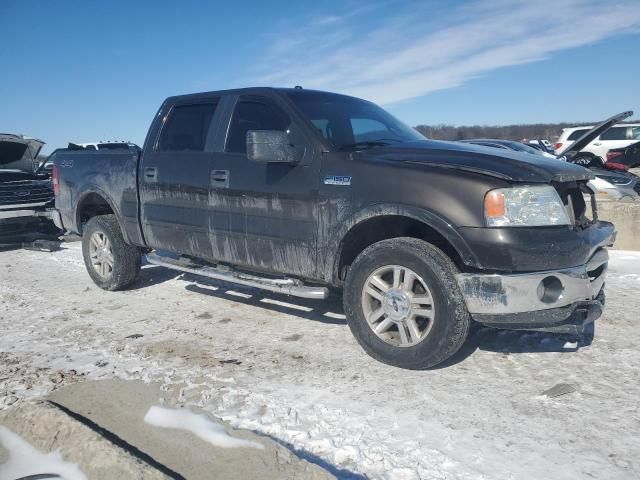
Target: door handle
{"x": 596, "y": 144}
{"x": 151, "y": 174}
{"x": 220, "y": 178}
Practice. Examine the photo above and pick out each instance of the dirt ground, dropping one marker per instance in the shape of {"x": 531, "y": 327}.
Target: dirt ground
{"x": 99, "y": 426}
{"x": 289, "y": 370}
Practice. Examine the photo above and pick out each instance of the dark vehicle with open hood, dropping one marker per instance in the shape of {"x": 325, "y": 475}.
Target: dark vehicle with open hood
{"x": 617, "y": 182}
{"x": 624, "y": 158}
{"x": 26, "y": 192}
{"x": 302, "y": 192}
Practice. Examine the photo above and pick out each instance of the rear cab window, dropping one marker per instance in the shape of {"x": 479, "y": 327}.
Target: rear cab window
{"x": 187, "y": 127}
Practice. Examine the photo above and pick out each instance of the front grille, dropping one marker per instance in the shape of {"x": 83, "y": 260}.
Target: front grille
{"x": 25, "y": 191}
{"x": 572, "y": 196}
{"x": 597, "y": 270}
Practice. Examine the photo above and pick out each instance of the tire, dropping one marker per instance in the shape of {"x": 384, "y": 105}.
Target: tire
{"x": 124, "y": 258}
{"x": 442, "y": 335}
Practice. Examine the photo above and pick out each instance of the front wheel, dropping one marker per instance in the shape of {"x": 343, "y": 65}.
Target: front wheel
{"x": 111, "y": 262}
{"x": 403, "y": 303}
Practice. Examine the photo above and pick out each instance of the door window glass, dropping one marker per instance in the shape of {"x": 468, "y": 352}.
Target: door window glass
{"x": 186, "y": 128}
{"x": 366, "y": 129}
{"x": 254, "y": 114}
{"x": 615, "y": 133}
{"x": 635, "y": 133}
{"x": 577, "y": 134}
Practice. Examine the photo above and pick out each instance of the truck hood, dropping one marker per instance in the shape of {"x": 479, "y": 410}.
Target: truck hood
{"x": 18, "y": 152}
{"x": 592, "y": 134}
{"x": 505, "y": 164}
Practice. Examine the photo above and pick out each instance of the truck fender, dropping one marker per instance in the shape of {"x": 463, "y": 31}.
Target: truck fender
{"x": 430, "y": 219}
{"x": 94, "y": 189}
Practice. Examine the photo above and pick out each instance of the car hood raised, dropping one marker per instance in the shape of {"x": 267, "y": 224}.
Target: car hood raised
{"x": 505, "y": 164}
{"x": 592, "y": 134}
{"x": 18, "y": 152}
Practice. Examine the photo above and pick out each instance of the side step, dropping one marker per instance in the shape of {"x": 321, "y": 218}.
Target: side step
{"x": 287, "y": 286}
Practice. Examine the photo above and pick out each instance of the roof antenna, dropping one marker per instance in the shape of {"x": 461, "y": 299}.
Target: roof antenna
{"x": 298, "y": 87}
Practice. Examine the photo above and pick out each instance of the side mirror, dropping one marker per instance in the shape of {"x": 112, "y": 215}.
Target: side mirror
{"x": 272, "y": 146}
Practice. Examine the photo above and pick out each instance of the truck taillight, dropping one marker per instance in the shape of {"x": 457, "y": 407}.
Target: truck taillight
{"x": 612, "y": 155}
{"x": 54, "y": 176}
{"x": 558, "y": 146}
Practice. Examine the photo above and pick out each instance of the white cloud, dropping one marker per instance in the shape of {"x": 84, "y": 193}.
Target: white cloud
{"x": 424, "y": 47}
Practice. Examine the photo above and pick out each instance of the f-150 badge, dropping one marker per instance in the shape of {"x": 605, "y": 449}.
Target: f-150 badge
{"x": 337, "y": 180}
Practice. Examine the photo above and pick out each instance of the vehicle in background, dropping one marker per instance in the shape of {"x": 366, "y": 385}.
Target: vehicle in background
{"x": 300, "y": 192}
{"x": 621, "y": 186}
{"x": 47, "y": 165}
{"x": 541, "y": 144}
{"x": 624, "y": 158}
{"x": 509, "y": 145}
{"x": 26, "y": 195}
{"x": 617, "y": 136}
{"x": 536, "y": 146}
{"x": 108, "y": 145}
{"x": 618, "y": 185}
{"x": 624, "y": 185}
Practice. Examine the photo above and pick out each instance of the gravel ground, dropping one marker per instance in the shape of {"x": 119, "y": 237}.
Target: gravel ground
{"x": 290, "y": 369}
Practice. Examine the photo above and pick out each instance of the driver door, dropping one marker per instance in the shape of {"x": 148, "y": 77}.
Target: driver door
{"x": 267, "y": 212}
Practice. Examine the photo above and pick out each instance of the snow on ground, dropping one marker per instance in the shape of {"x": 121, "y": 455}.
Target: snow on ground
{"x": 24, "y": 460}
{"x": 199, "y": 425}
{"x": 289, "y": 368}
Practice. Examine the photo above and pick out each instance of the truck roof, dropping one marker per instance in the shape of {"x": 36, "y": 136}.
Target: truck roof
{"x": 245, "y": 91}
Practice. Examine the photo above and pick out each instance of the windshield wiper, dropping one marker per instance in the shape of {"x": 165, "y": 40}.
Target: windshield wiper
{"x": 363, "y": 145}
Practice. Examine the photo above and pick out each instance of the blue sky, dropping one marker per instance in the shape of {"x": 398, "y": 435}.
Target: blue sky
{"x": 90, "y": 70}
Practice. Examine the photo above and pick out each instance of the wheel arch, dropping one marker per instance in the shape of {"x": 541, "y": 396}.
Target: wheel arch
{"x": 390, "y": 221}
{"x": 92, "y": 202}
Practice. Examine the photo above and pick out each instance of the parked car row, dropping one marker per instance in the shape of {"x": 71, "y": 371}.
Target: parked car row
{"x": 615, "y": 137}
{"x": 612, "y": 175}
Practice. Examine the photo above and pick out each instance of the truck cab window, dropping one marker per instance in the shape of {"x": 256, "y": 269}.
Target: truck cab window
{"x": 186, "y": 128}
{"x": 365, "y": 129}
{"x": 348, "y": 122}
{"x": 254, "y": 115}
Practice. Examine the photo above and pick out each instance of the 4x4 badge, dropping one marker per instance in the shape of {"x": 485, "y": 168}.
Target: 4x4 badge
{"x": 337, "y": 180}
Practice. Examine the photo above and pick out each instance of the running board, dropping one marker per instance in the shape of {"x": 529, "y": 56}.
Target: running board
{"x": 286, "y": 286}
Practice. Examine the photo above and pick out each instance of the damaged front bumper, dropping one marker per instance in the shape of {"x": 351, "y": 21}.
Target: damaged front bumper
{"x": 561, "y": 301}
{"x": 50, "y": 213}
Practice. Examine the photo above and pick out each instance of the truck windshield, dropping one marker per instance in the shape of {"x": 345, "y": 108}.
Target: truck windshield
{"x": 349, "y": 123}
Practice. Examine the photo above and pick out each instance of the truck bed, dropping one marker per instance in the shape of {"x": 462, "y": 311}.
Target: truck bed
{"x": 111, "y": 174}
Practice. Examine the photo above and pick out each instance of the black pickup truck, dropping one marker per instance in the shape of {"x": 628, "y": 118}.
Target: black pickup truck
{"x": 299, "y": 192}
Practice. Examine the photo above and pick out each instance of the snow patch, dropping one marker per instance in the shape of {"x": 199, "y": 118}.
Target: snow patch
{"x": 199, "y": 425}
{"x": 25, "y": 460}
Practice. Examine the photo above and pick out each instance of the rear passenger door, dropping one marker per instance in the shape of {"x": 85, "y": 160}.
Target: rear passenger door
{"x": 267, "y": 212}
{"x": 174, "y": 179}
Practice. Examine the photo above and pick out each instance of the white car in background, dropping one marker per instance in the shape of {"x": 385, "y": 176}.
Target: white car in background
{"x": 618, "y": 136}
{"x": 108, "y": 145}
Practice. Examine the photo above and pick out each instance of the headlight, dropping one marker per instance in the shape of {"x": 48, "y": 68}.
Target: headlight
{"x": 531, "y": 206}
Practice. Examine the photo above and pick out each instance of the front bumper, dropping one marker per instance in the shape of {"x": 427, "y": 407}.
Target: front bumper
{"x": 549, "y": 300}
{"x": 50, "y": 213}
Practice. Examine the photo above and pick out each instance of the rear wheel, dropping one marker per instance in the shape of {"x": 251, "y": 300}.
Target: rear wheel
{"x": 111, "y": 262}
{"x": 403, "y": 303}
